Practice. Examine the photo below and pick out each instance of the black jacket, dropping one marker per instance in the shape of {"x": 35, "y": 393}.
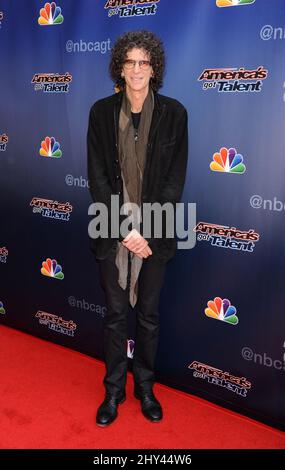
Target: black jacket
{"x": 165, "y": 167}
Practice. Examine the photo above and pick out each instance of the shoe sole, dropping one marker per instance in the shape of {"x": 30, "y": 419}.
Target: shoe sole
{"x": 110, "y": 422}
{"x": 153, "y": 420}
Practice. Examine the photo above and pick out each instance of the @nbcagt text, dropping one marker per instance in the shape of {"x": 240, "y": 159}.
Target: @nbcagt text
{"x": 143, "y": 459}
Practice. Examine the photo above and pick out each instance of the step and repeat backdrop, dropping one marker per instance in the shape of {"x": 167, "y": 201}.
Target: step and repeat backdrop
{"x": 222, "y": 334}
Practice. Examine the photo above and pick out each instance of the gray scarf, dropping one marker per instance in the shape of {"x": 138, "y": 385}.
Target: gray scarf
{"x": 132, "y": 157}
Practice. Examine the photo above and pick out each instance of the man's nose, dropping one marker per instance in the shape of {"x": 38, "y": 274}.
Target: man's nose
{"x": 137, "y": 67}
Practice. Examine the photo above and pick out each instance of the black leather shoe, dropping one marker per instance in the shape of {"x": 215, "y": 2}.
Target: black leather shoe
{"x": 107, "y": 411}
{"x": 150, "y": 406}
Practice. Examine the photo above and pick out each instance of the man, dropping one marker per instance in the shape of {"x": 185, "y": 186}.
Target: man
{"x": 137, "y": 149}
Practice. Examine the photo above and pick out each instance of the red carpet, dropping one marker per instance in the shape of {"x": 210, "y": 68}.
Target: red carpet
{"x": 50, "y": 394}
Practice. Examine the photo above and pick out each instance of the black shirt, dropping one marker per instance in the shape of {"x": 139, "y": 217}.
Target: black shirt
{"x": 136, "y": 119}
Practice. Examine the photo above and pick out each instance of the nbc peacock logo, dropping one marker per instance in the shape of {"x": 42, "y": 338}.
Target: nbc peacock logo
{"x": 50, "y": 148}
{"x": 50, "y": 268}
{"x": 228, "y": 161}
{"x": 2, "y": 309}
{"x": 233, "y": 3}
{"x": 50, "y": 15}
{"x": 221, "y": 309}
{"x": 130, "y": 348}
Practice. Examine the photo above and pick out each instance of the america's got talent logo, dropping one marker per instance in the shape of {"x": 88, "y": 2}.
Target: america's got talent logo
{"x": 52, "y": 82}
{"x": 214, "y": 376}
{"x": 3, "y": 254}
{"x": 56, "y": 323}
{"x": 223, "y": 236}
{"x": 52, "y": 209}
{"x": 131, "y": 8}
{"x": 3, "y": 142}
{"x": 233, "y": 79}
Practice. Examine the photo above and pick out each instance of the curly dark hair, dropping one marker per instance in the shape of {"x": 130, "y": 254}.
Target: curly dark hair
{"x": 142, "y": 40}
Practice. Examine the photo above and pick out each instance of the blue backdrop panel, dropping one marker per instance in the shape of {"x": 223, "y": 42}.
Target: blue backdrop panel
{"x": 222, "y": 324}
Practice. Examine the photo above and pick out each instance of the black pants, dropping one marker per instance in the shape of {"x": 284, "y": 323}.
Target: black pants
{"x": 115, "y": 324}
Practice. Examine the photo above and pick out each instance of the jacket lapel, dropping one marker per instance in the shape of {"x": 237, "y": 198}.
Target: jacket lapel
{"x": 156, "y": 116}
{"x": 117, "y": 107}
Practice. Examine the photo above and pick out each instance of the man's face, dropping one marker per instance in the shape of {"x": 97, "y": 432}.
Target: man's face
{"x": 137, "y": 78}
